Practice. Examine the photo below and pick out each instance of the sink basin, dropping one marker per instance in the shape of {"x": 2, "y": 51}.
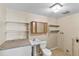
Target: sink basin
{"x": 36, "y": 41}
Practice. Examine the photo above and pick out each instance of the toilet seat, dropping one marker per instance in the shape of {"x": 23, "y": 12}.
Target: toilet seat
{"x": 46, "y": 52}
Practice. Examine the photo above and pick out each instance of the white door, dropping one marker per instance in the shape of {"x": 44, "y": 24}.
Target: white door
{"x": 76, "y": 47}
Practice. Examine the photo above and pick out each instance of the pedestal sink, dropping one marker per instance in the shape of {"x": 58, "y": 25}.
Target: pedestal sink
{"x": 34, "y": 42}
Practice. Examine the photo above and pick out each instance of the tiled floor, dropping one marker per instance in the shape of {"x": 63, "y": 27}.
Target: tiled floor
{"x": 58, "y": 52}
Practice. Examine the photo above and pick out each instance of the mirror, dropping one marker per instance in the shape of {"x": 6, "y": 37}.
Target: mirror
{"x": 40, "y": 27}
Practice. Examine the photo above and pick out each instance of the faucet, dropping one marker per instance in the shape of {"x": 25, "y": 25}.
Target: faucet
{"x": 33, "y": 39}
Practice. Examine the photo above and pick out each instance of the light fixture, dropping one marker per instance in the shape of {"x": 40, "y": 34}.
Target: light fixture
{"x": 56, "y": 7}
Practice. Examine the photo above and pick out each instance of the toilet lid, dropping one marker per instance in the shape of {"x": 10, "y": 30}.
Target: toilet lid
{"x": 47, "y": 52}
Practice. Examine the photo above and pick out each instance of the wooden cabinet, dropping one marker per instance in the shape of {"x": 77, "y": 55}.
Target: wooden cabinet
{"x": 39, "y": 27}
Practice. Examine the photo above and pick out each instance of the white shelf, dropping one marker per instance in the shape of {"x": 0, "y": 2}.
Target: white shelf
{"x": 17, "y": 22}
{"x": 18, "y": 30}
{"x": 15, "y": 31}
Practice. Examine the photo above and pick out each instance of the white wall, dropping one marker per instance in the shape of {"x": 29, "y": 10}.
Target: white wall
{"x": 70, "y": 26}
{"x": 2, "y": 23}
{"x": 21, "y": 16}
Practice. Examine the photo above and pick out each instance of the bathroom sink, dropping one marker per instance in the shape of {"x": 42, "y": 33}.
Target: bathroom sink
{"x": 36, "y": 41}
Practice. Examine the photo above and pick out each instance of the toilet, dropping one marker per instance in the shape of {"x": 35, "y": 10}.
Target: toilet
{"x": 46, "y": 52}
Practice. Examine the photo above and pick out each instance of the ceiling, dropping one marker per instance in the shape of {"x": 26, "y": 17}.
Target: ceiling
{"x": 43, "y": 8}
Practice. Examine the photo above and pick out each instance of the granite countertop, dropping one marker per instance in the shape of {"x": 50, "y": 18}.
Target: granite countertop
{"x": 14, "y": 44}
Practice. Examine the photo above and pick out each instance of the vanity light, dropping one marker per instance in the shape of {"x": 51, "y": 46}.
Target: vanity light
{"x": 56, "y": 7}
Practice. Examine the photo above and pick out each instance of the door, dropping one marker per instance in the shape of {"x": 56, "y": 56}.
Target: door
{"x": 76, "y": 47}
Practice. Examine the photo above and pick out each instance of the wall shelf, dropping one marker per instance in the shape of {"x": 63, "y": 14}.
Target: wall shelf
{"x": 17, "y": 22}
{"x": 17, "y": 30}
{"x": 54, "y": 31}
{"x": 54, "y": 26}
